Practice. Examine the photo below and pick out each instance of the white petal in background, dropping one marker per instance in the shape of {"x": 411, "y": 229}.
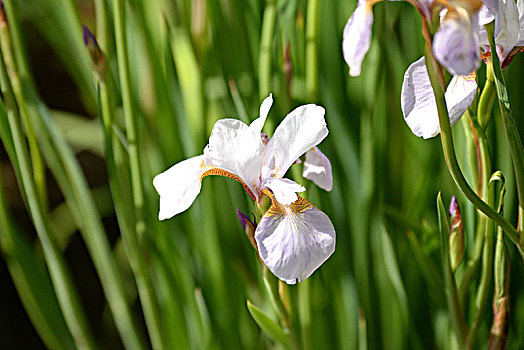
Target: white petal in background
{"x": 302, "y": 129}
{"x": 293, "y": 241}
{"x": 418, "y": 100}
{"x": 456, "y": 44}
{"x": 179, "y": 186}
{"x": 317, "y": 168}
{"x": 357, "y": 37}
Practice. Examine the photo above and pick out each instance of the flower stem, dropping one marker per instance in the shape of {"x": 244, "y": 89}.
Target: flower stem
{"x": 435, "y": 76}
{"x": 510, "y": 126}
{"x": 483, "y": 169}
{"x": 487, "y": 266}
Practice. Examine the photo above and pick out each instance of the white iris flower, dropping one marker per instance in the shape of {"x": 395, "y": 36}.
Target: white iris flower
{"x": 293, "y": 237}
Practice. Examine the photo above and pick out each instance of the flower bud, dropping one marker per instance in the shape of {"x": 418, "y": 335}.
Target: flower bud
{"x": 456, "y": 238}
{"x": 248, "y": 226}
{"x": 97, "y": 56}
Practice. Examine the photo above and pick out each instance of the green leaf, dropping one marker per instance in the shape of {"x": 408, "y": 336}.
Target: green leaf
{"x": 268, "y": 325}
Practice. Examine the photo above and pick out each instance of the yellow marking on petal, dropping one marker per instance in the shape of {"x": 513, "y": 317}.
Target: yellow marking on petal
{"x": 299, "y": 206}
{"x": 221, "y": 172}
{"x": 471, "y": 76}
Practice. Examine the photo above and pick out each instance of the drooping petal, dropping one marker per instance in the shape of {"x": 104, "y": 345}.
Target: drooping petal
{"x": 293, "y": 241}
{"x": 317, "y": 168}
{"x": 236, "y": 148}
{"x": 284, "y": 190}
{"x": 302, "y": 129}
{"x": 357, "y": 37}
{"x": 418, "y": 100}
{"x": 456, "y": 44}
{"x": 179, "y": 186}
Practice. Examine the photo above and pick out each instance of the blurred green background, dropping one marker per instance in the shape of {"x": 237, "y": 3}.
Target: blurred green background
{"x": 190, "y": 64}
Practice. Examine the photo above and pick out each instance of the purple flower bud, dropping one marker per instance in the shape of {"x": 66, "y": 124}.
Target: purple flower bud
{"x": 456, "y": 44}
{"x": 244, "y": 220}
{"x": 456, "y": 238}
{"x": 89, "y": 37}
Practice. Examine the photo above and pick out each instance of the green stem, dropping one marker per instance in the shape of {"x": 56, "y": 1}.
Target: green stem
{"x": 311, "y": 49}
{"x": 132, "y": 240}
{"x": 484, "y": 169}
{"x": 487, "y": 269}
{"x": 510, "y": 126}
{"x": 435, "y": 76}
{"x": 264, "y": 60}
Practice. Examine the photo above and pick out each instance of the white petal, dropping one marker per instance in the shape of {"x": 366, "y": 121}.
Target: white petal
{"x": 488, "y": 11}
{"x": 293, "y": 241}
{"x": 317, "y": 168}
{"x": 179, "y": 186}
{"x": 303, "y": 128}
{"x": 357, "y": 37}
{"x": 507, "y": 28}
{"x": 258, "y": 123}
{"x": 418, "y": 100}
{"x": 456, "y": 44}
{"x": 236, "y": 148}
{"x": 285, "y": 190}
{"x": 520, "y": 6}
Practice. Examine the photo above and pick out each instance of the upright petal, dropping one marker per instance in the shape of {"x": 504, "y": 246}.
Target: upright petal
{"x": 357, "y": 37}
{"x": 236, "y": 148}
{"x": 418, "y": 100}
{"x": 303, "y": 128}
{"x": 284, "y": 190}
{"x": 293, "y": 241}
{"x": 456, "y": 43}
{"x": 179, "y": 186}
{"x": 257, "y": 125}
{"x": 317, "y": 168}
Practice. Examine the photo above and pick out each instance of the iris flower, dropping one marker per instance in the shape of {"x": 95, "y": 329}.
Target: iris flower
{"x": 455, "y": 44}
{"x": 293, "y": 237}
